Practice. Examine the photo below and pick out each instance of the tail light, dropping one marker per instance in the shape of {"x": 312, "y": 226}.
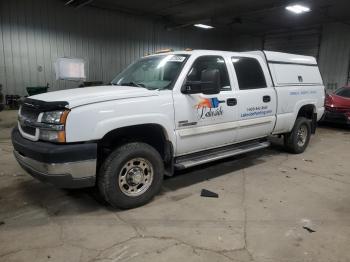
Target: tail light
{"x": 328, "y": 100}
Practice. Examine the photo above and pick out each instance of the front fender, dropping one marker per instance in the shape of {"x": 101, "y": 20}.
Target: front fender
{"x": 94, "y": 121}
{"x": 107, "y": 125}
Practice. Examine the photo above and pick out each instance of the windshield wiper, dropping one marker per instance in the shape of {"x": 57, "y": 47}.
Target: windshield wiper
{"x": 132, "y": 84}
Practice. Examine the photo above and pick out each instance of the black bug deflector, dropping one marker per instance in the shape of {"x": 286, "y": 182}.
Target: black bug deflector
{"x": 44, "y": 106}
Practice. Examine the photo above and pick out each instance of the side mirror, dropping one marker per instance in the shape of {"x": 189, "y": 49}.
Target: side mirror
{"x": 208, "y": 85}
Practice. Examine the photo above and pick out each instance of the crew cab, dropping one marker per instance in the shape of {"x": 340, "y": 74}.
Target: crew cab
{"x": 167, "y": 111}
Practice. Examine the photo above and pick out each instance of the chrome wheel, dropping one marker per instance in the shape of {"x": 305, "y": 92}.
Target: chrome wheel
{"x": 135, "y": 177}
{"x": 302, "y": 135}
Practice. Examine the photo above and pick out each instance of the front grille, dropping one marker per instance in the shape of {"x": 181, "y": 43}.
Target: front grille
{"x": 29, "y": 113}
{"x": 28, "y": 116}
{"x": 28, "y": 129}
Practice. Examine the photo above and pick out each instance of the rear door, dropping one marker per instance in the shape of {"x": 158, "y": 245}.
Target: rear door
{"x": 256, "y": 97}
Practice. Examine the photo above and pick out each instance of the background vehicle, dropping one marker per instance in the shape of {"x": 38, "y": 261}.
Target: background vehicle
{"x": 168, "y": 111}
{"x": 337, "y": 106}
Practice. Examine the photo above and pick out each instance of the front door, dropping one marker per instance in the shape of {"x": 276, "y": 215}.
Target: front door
{"x": 205, "y": 121}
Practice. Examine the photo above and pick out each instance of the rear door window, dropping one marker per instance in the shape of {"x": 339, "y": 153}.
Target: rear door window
{"x": 249, "y": 73}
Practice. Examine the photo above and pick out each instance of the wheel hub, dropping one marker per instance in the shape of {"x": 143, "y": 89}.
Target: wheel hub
{"x": 135, "y": 177}
{"x": 302, "y": 134}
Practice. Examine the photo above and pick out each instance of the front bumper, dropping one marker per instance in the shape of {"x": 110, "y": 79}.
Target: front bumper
{"x": 336, "y": 117}
{"x": 65, "y": 166}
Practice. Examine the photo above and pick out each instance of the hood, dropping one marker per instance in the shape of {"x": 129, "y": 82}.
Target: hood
{"x": 337, "y": 101}
{"x": 87, "y": 95}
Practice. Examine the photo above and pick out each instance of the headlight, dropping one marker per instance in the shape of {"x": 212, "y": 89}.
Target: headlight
{"x": 54, "y": 117}
{"x": 52, "y": 126}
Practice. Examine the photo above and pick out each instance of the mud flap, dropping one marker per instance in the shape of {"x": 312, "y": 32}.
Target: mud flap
{"x": 313, "y": 123}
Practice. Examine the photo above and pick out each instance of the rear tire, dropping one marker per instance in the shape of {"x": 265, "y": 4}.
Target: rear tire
{"x": 131, "y": 175}
{"x": 298, "y": 139}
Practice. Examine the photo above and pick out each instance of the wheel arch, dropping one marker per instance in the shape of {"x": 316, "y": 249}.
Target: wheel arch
{"x": 152, "y": 134}
{"x": 305, "y": 109}
{"x": 309, "y": 111}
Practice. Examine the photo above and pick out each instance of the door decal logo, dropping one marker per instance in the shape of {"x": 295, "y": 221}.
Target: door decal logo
{"x": 209, "y": 107}
{"x": 209, "y": 103}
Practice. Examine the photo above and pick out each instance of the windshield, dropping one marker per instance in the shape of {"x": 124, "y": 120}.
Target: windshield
{"x": 154, "y": 72}
{"x": 344, "y": 92}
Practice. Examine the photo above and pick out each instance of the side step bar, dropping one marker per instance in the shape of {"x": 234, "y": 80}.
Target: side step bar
{"x": 216, "y": 154}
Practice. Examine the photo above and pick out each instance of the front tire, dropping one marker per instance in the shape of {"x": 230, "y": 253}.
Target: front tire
{"x": 298, "y": 139}
{"x": 131, "y": 175}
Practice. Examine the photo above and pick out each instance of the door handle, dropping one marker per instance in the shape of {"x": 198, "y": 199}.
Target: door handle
{"x": 266, "y": 99}
{"x": 231, "y": 101}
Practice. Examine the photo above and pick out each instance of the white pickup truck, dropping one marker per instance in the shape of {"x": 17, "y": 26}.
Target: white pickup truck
{"x": 166, "y": 111}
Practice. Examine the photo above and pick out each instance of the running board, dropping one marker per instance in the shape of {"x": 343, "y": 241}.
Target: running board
{"x": 216, "y": 154}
